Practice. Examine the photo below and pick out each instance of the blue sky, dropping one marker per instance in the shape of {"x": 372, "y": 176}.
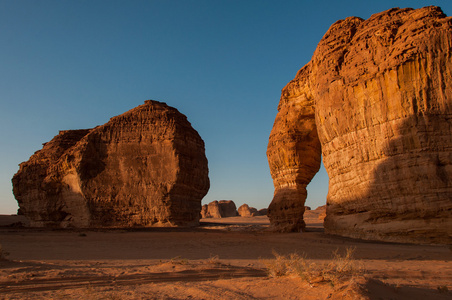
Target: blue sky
{"x": 75, "y": 64}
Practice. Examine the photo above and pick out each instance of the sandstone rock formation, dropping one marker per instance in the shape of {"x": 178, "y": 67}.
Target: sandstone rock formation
{"x": 204, "y": 211}
{"x": 293, "y": 154}
{"x": 247, "y": 211}
{"x": 219, "y": 209}
{"x": 376, "y": 98}
{"x": 321, "y": 212}
{"x": 146, "y": 167}
{"x": 262, "y": 212}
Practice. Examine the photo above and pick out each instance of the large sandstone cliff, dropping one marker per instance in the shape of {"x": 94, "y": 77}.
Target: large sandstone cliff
{"x": 381, "y": 93}
{"x": 146, "y": 167}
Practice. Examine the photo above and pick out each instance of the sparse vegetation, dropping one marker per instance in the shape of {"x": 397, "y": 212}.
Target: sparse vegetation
{"x": 214, "y": 260}
{"x": 178, "y": 260}
{"x": 292, "y": 265}
{"x": 340, "y": 268}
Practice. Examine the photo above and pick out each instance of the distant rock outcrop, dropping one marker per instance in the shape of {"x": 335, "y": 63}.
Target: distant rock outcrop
{"x": 146, "y": 167}
{"x": 246, "y": 211}
{"x": 219, "y": 209}
{"x": 320, "y": 211}
{"x": 262, "y": 212}
{"x": 204, "y": 211}
{"x": 376, "y": 101}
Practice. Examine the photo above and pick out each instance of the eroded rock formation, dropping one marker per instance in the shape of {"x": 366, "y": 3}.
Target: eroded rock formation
{"x": 219, "y": 209}
{"x": 293, "y": 154}
{"x": 246, "y": 211}
{"x": 262, "y": 212}
{"x": 378, "y": 93}
{"x": 204, "y": 211}
{"x": 146, "y": 167}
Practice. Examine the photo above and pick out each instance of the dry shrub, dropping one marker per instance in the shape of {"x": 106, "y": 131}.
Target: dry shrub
{"x": 214, "y": 260}
{"x": 339, "y": 269}
{"x": 292, "y": 265}
{"x": 178, "y": 260}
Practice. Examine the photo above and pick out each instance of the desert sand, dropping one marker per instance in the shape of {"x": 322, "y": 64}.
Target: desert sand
{"x": 226, "y": 258}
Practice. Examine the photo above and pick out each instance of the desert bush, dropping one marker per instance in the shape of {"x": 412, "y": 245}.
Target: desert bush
{"x": 214, "y": 260}
{"x": 292, "y": 265}
{"x": 340, "y": 268}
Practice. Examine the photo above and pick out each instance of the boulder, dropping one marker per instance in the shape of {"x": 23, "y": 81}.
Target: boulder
{"x": 213, "y": 210}
{"x": 376, "y": 102}
{"x": 146, "y": 167}
{"x": 246, "y": 211}
{"x": 219, "y": 209}
{"x": 262, "y": 212}
{"x": 227, "y": 208}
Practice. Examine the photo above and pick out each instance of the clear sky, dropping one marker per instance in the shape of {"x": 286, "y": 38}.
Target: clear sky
{"x": 75, "y": 64}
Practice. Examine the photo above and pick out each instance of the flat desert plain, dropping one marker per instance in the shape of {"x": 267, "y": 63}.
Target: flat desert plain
{"x": 229, "y": 258}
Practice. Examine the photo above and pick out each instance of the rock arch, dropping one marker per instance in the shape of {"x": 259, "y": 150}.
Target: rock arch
{"x": 376, "y": 101}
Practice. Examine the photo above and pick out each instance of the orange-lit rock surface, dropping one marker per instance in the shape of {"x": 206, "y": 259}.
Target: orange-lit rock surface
{"x": 246, "y": 211}
{"x": 293, "y": 154}
{"x": 219, "y": 209}
{"x": 146, "y": 167}
{"x": 381, "y": 93}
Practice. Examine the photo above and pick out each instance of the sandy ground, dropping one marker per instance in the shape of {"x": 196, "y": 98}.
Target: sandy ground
{"x": 225, "y": 258}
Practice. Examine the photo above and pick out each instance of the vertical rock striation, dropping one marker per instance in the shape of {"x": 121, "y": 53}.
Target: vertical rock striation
{"x": 382, "y": 98}
{"x": 146, "y": 167}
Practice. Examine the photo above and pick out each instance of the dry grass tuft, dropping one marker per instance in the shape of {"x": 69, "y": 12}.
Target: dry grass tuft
{"x": 214, "y": 260}
{"x": 178, "y": 260}
{"x": 339, "y": 269}
{"x": 292, "y": 265}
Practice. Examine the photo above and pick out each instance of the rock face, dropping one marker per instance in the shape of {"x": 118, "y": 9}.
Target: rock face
{"x": 146, "y": 167}
{"x": 219, "y": 209}
{"x": 204, "y": 211}
{"x": 246, "y": 211}
{"x": 378, "y": 93}
{"x": 262, "y": 212}
{"x": 294, "y": 154}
